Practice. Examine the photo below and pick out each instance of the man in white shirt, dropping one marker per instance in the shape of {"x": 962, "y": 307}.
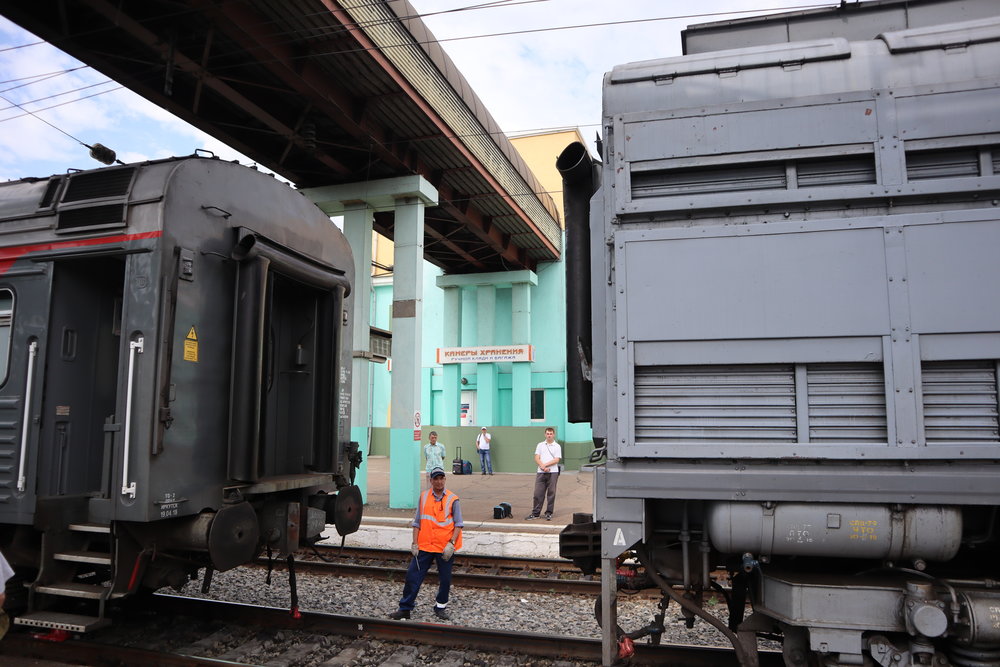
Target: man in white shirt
{"x": 483, "y": 447}
{"x": 548, "y": 454}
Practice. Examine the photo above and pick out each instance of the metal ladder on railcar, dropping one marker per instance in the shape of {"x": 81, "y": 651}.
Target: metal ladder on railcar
{"x": 76, "y": 567}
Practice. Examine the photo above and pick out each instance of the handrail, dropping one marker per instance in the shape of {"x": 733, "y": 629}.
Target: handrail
{"x": 133, "y": 348}
{"x": 26, "y": 421}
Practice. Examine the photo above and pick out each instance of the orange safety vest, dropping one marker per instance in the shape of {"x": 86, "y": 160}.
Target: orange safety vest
{"x": 436, "y": 522}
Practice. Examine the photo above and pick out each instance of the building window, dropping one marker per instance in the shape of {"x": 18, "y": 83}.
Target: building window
{"x": 6, "y": 315}
{"x": 537, "y": 405}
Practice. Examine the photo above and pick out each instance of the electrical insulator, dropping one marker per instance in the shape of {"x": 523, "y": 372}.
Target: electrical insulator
{"x": 102, "y": 154}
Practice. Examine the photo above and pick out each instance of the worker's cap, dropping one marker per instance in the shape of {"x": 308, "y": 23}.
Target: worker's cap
{"x": 437, "y": 472}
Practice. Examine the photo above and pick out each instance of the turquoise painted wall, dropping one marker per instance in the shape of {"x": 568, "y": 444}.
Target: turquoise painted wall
{"x": 548, "y": 326}
{"x": 513, "y": 448}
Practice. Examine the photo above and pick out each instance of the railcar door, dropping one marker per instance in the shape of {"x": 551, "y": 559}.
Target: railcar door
{"x": 81, "y": 374}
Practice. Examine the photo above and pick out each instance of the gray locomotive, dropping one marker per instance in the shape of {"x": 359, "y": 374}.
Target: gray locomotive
{"x": 788, "y": 330}
{"x": 176, "y": 380}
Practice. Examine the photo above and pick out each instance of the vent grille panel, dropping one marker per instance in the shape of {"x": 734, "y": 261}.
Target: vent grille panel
{"x": 950, "y": 163}
{"x": 836, "y": 171}
{"x": 960, "y": 401}
{"x": 92, "y": 216}
{"x": 668, "y": 182}
{"x": 715, "y": 403}
{"x": 846, "y": 403}
{"x": 98, "y": 185}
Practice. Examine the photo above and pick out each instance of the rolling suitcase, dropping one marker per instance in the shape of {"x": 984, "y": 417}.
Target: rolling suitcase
{"x": 456, "y": 465}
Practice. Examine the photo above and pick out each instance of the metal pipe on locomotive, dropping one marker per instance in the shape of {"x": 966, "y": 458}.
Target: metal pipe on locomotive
{"x": 177, "y": 380}
{"x": 791, "y": 343}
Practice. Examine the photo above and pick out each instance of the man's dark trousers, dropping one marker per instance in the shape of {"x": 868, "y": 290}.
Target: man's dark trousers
{"x": 545, "y": 490}
{"x": 415, "y": 576}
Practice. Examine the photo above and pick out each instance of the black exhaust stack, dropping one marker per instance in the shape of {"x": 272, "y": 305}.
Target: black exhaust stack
{"x": 580, "y": 178}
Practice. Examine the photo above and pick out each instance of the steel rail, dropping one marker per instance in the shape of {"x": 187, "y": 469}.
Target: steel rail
{"x": 95, "y": 654}
{"x": 476, "y": 560}
{"x": 446, "y": 635}
{"x": 458, "y": 578}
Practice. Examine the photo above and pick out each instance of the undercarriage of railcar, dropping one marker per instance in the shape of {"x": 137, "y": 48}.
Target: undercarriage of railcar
{"x": 830, "y": 584}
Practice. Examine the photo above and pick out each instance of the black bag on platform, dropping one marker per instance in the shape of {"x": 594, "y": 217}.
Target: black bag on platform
{"x": 457, "y": 467}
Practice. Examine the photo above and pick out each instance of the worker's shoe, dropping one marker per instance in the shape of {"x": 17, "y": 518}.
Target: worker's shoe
{"x": 442, "y": 613}
{"x": 399, "y": 614}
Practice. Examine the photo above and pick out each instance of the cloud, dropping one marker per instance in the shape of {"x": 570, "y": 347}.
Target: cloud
{"x": 540, "y": 78}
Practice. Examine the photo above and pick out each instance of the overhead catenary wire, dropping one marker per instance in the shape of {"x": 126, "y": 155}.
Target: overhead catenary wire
{"x": 97, "y": 151}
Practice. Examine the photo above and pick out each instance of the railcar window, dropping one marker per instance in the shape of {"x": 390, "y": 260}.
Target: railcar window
{"x": 6, "y": 317}
{"x": 537, "y": 405}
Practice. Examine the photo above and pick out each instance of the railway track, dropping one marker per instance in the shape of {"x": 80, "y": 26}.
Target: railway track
{"x": 470, "y": 570}
{"x": 181, "y": 632}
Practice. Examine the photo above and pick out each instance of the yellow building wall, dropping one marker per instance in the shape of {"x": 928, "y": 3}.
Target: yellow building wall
{"x": 540, "y": 152}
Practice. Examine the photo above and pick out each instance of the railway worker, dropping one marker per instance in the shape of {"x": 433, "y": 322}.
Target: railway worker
{"x": 437, "y": 535}
{"x": 483, "y": 447}
{"x": 548, "y": 454}
{"x": 434, "y": 454}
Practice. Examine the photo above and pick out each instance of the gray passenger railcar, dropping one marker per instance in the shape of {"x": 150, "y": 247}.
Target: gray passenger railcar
{"x": 791, "y": 341}
{"x": 176, "y": 380}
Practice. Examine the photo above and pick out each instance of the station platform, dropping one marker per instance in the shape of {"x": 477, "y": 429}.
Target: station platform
{"x": 386, "y": 527}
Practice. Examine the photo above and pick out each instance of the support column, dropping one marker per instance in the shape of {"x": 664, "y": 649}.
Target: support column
{"x": 452, "y": 373}
{"x": 407, "y": 338}
{"x": 358, "y": 220}
{"x": 486, "y": 373}
{"x": 521, "y": 372}
{"x": 407, "y": 196}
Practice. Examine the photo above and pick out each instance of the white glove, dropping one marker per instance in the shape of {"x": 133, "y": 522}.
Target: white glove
{"x": 449, "y": 551}
{"x": 414, "y": 549}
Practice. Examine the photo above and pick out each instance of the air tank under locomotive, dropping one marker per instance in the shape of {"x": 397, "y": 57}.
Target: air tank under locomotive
{"x": 176, "y": 379}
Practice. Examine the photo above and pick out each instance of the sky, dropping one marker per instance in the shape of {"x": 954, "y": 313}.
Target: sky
{"x": 536, "y": 79}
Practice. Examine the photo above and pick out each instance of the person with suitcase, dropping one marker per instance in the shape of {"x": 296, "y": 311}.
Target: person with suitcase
{"x": 434, "y": 453}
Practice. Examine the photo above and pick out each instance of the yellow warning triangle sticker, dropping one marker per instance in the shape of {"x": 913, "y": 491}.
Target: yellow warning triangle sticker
{"x": 192, "y": 335}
